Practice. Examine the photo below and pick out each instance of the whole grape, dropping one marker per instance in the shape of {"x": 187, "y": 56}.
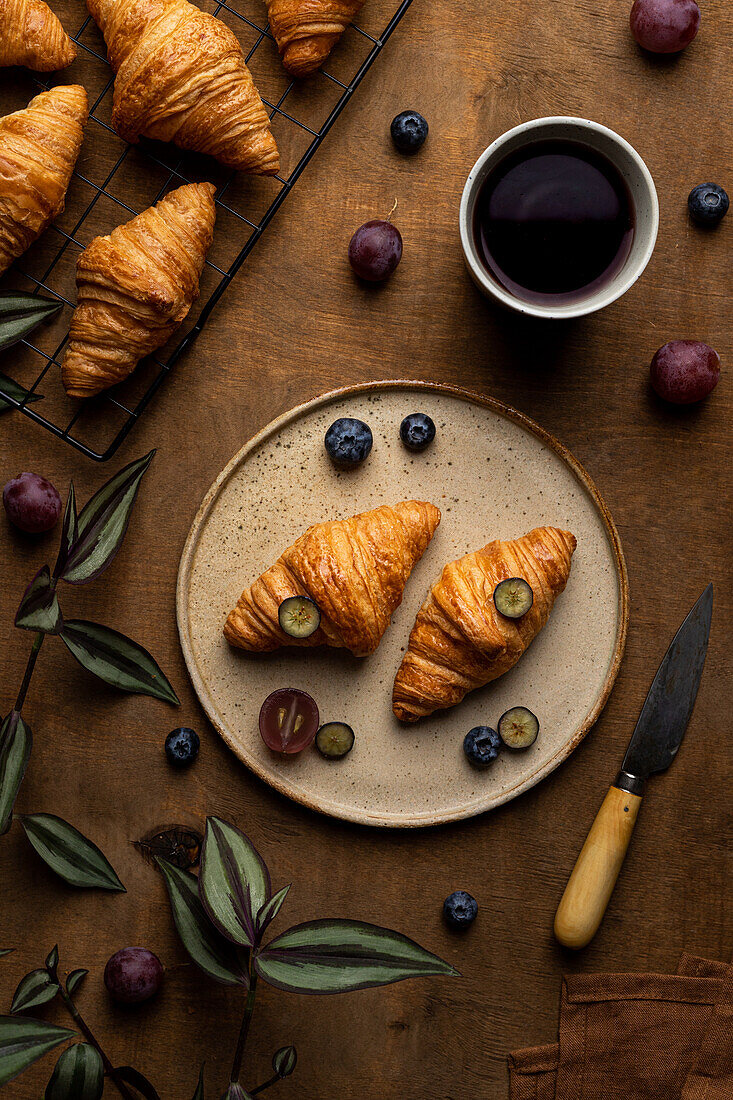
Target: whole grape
{"x": 685, "y": 371}
{"x": 133, "y": 975}
{"x": 664, "y": 26}
{"x": 375, "y": 250}
{"x": 31, "y": 503}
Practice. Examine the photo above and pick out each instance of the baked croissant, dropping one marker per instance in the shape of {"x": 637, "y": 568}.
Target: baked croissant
{"x": 38, "y": 150}
{"x": 354, "y": 569}
{"x": 135, "y": 287}
{"x": 307, "y": 30}
{"x": 181, "y": 77}
{"x": 460, "y": 641}
{"x": 31, "y": 35}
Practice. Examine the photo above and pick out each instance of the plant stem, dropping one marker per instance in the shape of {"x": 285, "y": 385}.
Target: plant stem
{"x": 244, "y": 1029}
{"x": 89, "y": 1036}
{"x": 35, "y": 649}
{"x": 265, "y": 1085}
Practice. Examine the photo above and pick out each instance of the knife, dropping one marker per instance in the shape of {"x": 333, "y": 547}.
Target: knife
{"x": 653, "y": 746}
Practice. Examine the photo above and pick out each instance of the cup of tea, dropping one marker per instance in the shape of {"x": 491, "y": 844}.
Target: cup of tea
{"x": 558, "y": 218}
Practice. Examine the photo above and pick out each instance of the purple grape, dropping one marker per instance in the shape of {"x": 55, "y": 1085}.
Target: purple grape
{"x": 664, "y": 26}
{"x": 375, "y": 250}
{"x": 31, "y": 503}
{"x": 133, "y": 974}
{"x": 685, "y": 371}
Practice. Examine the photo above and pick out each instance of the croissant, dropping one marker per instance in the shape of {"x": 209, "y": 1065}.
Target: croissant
{"x": 135, "y": 287}
{"x": 182, "y": 77}
{"x": 307, "y": 30}
{"x": 354, "y": 569}
{"x": 31, "y": 35}
{"x": 38, "y": 150}
{"x": 460, "y": 641}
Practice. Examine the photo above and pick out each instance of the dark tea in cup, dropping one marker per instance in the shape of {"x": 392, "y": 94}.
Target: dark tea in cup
{"x": 553, "y": 221}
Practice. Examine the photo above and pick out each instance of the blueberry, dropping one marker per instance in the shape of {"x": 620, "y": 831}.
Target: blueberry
{"x": 417, "y": 431}
{"x": 409, "y": 130}
{"x": 182, "y": 746}
{"x": 481, "y": 745}
{"x": 708, "y": 203}
{"x": 348, "y": 442}
{"x": 460, "y": 910}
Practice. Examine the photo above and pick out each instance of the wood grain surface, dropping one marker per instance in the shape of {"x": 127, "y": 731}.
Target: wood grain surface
{"x": 295, "y": 323}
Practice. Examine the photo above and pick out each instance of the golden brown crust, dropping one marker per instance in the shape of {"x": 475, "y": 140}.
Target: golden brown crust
{"x": 31, "y": 35}
{"x": 182, "y": 77}
{"x": 135, "y": 287}
{"x": 355, "y": 569}
{"x": 307, "y": 30}
{"x": 38, "y": 151}
{"x": 460, "y": 641}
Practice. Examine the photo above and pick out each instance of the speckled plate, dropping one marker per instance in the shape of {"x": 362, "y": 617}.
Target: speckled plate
{"x": 494, "y": 474}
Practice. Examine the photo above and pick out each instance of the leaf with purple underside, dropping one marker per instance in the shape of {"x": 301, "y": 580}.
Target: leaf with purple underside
{"x": 102, "y": 524}
{"x": 68, "y": 532}
{"x": 39, "y": 608}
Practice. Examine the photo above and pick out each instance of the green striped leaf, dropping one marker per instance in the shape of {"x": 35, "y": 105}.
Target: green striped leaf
{"x": 67, "y": 852}
{"x": 284, "y": 1061}
{"x": 270, "y": 910}
{"x": 116, "y": 659}
{"x": 36, "y": 988}
{"x": 337, "y": 956}
{"x": 234, "y": 882}
{"x": 10, "y": 388}
{"x": 69, "y": 531}
{"x": 6, "y": 951}
{"x": 39, "y": 609}
{"x": 23, "y": 1041}
{"x": 210, "y": 951}
{"x": 102, "y": 524}
{"x": 16, "y": 741}
{"x": 74, "y": 980}
{"x": 21, "y": 313}
{"x": 79, "y": 1075}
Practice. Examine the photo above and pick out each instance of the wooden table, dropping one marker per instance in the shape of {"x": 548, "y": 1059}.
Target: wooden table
{"x": 295, "y": 323}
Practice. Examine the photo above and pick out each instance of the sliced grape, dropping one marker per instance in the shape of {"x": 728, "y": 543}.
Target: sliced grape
{"x": 518, "y": 728}
{"x": 288, "y": 720}
{"x": 513, "y": 597}
{"x": 334, "y": 740}
{"x": 299, "y": 616}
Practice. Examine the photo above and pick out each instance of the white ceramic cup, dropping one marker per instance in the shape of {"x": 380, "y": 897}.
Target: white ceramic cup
{"x": 634, "y": 172}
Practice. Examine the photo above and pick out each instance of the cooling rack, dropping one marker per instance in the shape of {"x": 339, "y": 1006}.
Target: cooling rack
{"x": 113, "y": 181}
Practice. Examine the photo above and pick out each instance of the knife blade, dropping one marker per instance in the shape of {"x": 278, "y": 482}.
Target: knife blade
{"x": 668, "y": 706}
{"x": 654, "y": 744}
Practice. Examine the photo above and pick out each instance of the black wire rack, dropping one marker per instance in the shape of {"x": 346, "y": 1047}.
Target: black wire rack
{"x": 113, "y": 181}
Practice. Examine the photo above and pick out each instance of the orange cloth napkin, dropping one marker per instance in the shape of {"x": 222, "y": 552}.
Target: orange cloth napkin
{"x": 636, "y": 1037}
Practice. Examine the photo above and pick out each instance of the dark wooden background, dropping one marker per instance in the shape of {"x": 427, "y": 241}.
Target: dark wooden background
{"x": 294, "y": 324}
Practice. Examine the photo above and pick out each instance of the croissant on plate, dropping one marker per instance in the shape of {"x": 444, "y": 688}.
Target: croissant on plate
{"x": 354, "y": 569}
{"x": 307, "y": 30}
{"x": 38, "y": 150}
{"x": 460, "y": 641}
{"x": 181, "y": 77}
{"x": 135, "y": 287}
{"x": 31, "y": 35}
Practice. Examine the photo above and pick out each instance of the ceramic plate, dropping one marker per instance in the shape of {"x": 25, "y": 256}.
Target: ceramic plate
{"x": 494, "y": 474}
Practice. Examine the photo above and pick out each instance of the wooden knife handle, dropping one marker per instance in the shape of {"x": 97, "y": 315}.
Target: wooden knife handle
{"x": 591, "y": 884}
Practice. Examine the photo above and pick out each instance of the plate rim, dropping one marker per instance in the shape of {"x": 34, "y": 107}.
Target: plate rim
{"x": 424, "y": 818}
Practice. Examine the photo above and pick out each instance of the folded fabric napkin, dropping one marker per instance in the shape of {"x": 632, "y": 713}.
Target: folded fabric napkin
{"x": 636, "y": 1037}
